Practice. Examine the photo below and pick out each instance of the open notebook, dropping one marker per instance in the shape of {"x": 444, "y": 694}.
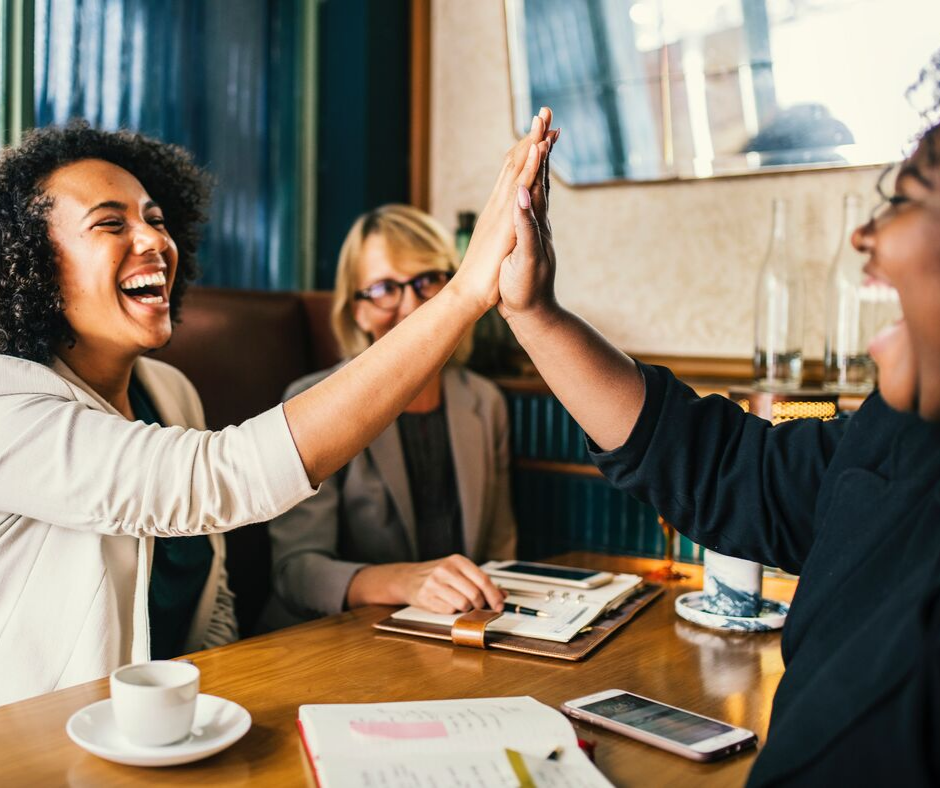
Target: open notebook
{"x": 569, "y": 610}
{"x": 475, "y": 743}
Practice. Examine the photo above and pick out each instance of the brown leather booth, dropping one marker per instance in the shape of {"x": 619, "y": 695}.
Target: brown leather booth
{"x": 241, "y": 348}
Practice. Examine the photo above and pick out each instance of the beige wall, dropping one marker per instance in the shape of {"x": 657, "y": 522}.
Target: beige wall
{"x": 667, "y": 268}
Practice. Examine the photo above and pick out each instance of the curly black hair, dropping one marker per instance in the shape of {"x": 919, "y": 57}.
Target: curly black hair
{"x": 32, "y": 323}
{"x": 924, "y": 96}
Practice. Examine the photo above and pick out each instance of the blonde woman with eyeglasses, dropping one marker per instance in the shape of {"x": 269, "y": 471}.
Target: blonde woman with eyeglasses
{"x": 407, "y": 519}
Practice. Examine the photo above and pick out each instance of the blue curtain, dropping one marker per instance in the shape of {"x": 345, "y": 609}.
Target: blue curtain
{"x": 218, "y": 77}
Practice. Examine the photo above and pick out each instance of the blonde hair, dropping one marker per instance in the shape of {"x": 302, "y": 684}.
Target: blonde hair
{"x": 408, "y": 232}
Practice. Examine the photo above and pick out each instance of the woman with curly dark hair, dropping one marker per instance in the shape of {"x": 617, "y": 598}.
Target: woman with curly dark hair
{"x": 850, "y": 505}
{"x": 102, "y": 449}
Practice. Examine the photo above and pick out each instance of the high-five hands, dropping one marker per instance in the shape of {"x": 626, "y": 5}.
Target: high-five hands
{"x": 600, "y": 386}
{"x": 495, "y": 235}
{"x": 527, "y": 276}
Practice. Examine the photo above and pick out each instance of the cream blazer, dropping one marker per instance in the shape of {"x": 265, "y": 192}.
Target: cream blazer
{"x": 83, "y": 491}
{"x": 364, "y": 514}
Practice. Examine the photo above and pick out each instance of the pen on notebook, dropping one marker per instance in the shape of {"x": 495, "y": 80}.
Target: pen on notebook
{"x": 512, "y": 607}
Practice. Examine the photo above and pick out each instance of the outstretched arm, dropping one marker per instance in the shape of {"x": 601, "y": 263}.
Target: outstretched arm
{"x": 722, "y": 477}
{"x": 338, "y": 418}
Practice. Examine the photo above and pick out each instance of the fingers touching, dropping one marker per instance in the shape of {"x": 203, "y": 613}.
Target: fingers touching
{"x": 541, "y": 184}
{"x": 524, "y": 158}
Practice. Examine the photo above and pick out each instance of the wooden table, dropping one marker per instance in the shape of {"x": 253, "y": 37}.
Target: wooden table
{"x": 342, "y": 660}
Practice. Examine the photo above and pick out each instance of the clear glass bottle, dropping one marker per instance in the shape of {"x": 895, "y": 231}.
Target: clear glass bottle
{"x": 778, "y": 312}
{"x": 853, "y": 307}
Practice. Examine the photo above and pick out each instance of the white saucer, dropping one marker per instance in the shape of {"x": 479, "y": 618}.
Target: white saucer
{"x": 772, "y": 615}
{"x": 218, "y": 724}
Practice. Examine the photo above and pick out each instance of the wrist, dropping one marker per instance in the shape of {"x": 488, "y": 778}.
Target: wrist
{"x": 466, "y": 300}
{"x": 535, "y": 319}
{"x": 370, "y": 585}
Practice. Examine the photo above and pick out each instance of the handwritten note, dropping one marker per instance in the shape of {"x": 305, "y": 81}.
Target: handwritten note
{"x": 444, "y": 743}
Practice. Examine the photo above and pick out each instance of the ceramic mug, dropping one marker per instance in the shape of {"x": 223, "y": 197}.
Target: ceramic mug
{"x": 154, "y": 702}
{"x": 732, "y": 586}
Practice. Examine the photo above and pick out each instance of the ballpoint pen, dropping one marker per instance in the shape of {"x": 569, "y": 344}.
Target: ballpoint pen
{"x": 512, "y": 607}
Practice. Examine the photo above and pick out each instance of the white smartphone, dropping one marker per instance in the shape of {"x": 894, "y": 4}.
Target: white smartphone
{"x": 682, "y": 732}
{"x": 562, "y": 575}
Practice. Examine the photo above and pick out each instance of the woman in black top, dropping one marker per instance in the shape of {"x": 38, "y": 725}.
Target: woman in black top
{"x": 853, "y": 506}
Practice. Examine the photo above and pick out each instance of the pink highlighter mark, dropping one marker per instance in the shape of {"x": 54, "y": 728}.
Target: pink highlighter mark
{"x": 400, "y": 730}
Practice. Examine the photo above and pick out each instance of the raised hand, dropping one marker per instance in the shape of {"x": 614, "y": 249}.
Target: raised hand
{"x": 527, "y": 275}
{"x": 599, "y": 385}
{"x": 494, "y": 235}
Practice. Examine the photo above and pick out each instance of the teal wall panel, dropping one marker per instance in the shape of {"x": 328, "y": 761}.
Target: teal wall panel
{"x": 560, "y": 511}
{"x": 219, "y": 78}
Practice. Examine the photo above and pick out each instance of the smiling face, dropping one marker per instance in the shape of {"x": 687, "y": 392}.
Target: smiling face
{"x": 116, "y": 261}
{"x": 903, "y": 246}
{"x": 378, "y": 262}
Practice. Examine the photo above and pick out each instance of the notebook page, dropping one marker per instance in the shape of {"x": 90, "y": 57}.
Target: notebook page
{"x": 466, "y": 770}
{"x": 576, "y": 772}
{"x": 609, "y": 593}
{"x": 429, "y": 728}
{"x": 568, "y": 609}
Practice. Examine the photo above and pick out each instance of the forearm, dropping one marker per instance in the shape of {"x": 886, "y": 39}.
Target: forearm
{"x": 600, "y": 386}
{"x": 379, "y": 584}
{"x": 339, "y": 417}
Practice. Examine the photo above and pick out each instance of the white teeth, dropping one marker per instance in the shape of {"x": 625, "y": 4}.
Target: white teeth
{"x": 150, "y": 299}
{"x": 144, "y": 280}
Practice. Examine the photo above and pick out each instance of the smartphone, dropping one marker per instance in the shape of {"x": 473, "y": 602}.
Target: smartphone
{"x": 682, "y": 732}
{"x": 562, "y": 575}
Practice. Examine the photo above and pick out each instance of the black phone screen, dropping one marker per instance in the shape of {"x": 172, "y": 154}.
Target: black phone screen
{"x": 560, "y": 572}
{"x": 646, "y": 715}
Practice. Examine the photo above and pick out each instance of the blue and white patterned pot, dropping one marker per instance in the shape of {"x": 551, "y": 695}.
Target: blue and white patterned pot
{"x": 772, "y": 615}
{"x": 732, "y": 586}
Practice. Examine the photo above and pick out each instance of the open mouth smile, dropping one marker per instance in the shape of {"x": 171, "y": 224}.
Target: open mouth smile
{"x": 884, "y": 293}
{"x": 146, "y": 288}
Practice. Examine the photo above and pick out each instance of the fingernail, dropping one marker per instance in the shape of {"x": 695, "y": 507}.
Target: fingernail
{"x": 524, "y": 199}
{"x": 535, "y": 119}
{"x": 557, "y": 134}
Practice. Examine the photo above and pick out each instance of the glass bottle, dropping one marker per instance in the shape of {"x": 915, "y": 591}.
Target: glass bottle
{"x": 852, "y": 313}
{"x": 465, "y": 223}
{"x": 778, "y": 313}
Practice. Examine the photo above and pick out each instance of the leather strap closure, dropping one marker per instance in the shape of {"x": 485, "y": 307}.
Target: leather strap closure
{"x": 470, "y": 628}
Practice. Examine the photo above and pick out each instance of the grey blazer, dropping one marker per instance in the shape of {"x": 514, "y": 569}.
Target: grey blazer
{"x": 363, "y": 514}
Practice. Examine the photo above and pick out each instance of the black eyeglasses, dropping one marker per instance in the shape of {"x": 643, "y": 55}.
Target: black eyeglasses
{"x": 386, "y": 293}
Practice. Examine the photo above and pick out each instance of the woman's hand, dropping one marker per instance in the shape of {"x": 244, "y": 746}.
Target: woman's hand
{"x": 527, "y": 276}
{"x": 494, "y": 235}
{"x": 336, "y": 419}
{"x": 599, "y": 386}
{"x": 447, "y": 585}
{"x": 451, "y": 585}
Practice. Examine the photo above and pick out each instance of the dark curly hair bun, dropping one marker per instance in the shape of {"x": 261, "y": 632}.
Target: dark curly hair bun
{"x": 32, "y": 324}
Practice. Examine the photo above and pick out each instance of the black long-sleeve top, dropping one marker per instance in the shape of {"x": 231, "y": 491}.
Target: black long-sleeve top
{"x": 853, "y": 507}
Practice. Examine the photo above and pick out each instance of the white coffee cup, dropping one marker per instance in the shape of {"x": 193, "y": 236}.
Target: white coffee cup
{"x": 154, "y": 702}
{"x": 732, "y": 585}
